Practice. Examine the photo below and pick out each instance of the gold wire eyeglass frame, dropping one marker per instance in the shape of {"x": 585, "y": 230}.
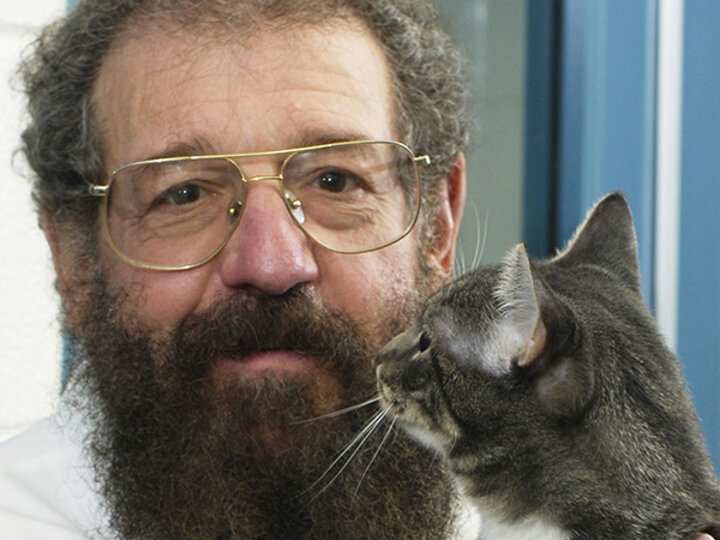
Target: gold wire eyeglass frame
{"x": 103, "y": 190}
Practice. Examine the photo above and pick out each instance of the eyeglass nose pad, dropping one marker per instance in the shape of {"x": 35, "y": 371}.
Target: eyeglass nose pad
{"x": 234, "y": 212}
{"x": 295, "y": 207}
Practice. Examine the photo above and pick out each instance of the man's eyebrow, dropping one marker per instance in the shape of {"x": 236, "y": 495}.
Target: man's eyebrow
{"x": 318, "y": 138}
{"x": 200, "y": 146}
{"x": 195, "y": 147}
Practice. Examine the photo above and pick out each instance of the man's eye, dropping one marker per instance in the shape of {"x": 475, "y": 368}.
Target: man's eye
{"x": 181, "y": 194}
{"x": 336, "y": 182}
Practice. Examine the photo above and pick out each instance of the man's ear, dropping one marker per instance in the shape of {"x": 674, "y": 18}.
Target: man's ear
{"x": 446, "y": 220}
{"x": 70, "y": 268}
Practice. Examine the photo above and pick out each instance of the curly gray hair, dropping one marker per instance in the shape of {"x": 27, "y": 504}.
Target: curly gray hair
{"x": 64, "y": 147}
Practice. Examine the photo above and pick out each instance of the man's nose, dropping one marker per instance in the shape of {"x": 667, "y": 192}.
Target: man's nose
{"x": 268, "y": 251}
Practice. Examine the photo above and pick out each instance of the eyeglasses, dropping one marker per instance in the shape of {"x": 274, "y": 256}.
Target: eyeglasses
{"x": 177, "y": 213}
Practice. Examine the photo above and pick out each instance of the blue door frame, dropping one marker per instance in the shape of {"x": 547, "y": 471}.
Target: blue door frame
{"x": 699, "y": 249}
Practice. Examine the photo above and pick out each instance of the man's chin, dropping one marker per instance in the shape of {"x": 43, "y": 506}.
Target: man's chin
{"x": 272, "y": 401}
{"x": 280, "y": 369}
{"x": 274, "y": 445}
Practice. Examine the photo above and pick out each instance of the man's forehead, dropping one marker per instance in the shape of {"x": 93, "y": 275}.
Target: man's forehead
{"x": 176, "y": 82}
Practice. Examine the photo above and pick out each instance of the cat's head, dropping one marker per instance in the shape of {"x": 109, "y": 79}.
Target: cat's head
{"x": 505, "y": 349}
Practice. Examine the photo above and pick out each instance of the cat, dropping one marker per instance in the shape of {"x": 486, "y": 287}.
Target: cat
{"x": 551, "y": 395}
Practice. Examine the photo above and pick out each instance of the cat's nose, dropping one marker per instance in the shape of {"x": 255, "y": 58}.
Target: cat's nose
{"x": 400, "y": 346}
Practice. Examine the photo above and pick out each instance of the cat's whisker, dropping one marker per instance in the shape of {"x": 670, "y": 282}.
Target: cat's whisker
{"x": 434, "y": 458}
{"x": 356, "y": 442}
{"x": 480, "y": 243}
{"x": 368, "y": 431}
{"x": 375, "y": 454}
{"x": 452, "y": 446}
{"x": 338, "y": 412}
{"x": 459, "y": 266}
{"x": 395, "y": 436}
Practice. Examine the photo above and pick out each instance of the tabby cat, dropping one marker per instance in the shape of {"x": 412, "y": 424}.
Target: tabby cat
{"x": 549, "y": 391}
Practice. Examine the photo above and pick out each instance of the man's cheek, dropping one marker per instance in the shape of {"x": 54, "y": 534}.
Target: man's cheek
{"x": 162, "y": 300}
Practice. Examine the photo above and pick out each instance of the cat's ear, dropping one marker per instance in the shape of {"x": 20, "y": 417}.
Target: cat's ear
{"x": 607, "y": 238}
{"x": 537, "y": 331}
{"x": 516, "y": 295}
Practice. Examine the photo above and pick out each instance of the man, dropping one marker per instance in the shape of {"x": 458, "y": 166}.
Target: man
{"x": 220, "y": 303}
{"x": 241, "y": 212}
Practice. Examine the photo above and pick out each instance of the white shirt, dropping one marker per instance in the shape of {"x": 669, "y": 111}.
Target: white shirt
{"x": 46, "y": 485}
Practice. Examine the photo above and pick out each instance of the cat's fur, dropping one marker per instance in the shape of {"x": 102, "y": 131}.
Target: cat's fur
{"x": 548, "y": 389}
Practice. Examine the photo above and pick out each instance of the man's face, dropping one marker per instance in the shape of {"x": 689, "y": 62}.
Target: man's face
{"x": 164, "y": 93}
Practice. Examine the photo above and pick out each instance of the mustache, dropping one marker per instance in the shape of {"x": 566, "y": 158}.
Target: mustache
{"x": 243, "y": 323}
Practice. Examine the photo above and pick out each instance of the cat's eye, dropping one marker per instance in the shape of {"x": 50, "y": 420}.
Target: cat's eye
{"x": 425, "y": 342}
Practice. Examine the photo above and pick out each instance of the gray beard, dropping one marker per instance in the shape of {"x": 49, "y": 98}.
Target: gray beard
{"x": 179, "y": 457}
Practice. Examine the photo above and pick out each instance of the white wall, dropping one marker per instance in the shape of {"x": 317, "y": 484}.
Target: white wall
{"x": 492, "y": 34}
{"x": 30, "y": 350}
